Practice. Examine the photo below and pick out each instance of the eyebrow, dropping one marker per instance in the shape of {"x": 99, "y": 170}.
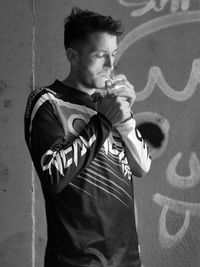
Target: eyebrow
{"x": 105, "y": 51}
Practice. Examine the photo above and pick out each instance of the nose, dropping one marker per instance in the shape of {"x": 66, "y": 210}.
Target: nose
{"x": 108, "y": 64}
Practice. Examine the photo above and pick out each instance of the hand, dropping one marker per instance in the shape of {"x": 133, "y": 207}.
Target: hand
{"x": 115, "y": 108}
{"x": 121, "y": 87}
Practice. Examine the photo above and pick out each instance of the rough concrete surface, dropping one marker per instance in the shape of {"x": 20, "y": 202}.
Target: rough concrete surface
{"x": 15, "y": 165}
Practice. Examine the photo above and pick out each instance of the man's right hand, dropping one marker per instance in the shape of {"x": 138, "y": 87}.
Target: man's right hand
{"x": 115, "y": 108}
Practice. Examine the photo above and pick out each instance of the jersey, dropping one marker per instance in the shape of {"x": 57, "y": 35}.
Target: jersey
{"x": 86, "y": 180}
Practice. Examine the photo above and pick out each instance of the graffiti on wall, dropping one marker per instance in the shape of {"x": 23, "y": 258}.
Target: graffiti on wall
{"x": 142, "y": 7}
{"x": 179, "y": 14}
{"x": 156, "y": 76}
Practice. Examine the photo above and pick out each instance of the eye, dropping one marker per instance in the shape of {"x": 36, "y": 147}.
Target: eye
{"x": 99, "y": 55}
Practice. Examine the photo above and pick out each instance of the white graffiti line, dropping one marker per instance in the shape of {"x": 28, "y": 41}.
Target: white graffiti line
{"x": 179, "y": 4}
{"x": 175, "y": 5}
{"x": 155, "y": 25}
{"x": 156, "y": 78}
{"x": 149, "y": 6}
{"x": 155, "y": 74}
{"x": 176, "y": 205}
{"x": 184, "y": 208}
{"x": 167, "y": 240}
{"x": 133, "y": 2}
{"x": 181, "y": 181}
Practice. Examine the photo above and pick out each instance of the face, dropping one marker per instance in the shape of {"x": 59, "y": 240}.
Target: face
{"x": 95, "y": 59}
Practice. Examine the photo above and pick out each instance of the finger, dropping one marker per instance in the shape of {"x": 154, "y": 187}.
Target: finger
{"x": 125, "y": 92}
{"x": 118, "y": 84}
{"x": 130, "y": 96}
{"x": 119, "y": 77}
{"x": 124, "y": 88}
{"x": 122, "y": 82}
{"x": 124, "y": 104}
{"x": 121, "y": 98}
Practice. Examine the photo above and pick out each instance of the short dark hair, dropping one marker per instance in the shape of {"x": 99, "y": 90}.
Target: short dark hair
{"x": 80, "y": 23}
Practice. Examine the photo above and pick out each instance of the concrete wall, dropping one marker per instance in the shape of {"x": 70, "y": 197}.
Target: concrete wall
{"x": 159, "y": 53}
{"x": 15, "y": 166}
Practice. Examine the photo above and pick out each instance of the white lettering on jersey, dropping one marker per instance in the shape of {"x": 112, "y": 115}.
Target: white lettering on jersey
{"x": 109, "y": 147}
{"x": 58, "y": 158}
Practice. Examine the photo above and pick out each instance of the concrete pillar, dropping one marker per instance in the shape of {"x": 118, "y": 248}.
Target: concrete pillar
{"x": 16, "y": 24}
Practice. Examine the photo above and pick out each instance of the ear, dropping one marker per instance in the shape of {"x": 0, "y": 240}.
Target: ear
{"x": 72, "y": 56}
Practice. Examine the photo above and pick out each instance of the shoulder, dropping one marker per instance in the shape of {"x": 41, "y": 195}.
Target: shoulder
{"x": 37, "y": 93}
{"x": 36, "y": 98}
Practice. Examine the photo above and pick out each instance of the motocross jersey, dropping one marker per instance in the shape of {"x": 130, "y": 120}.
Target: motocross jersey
{"x": 86, "y": 174}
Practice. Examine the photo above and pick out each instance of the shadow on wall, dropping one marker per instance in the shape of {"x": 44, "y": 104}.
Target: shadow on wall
{"x": 155, "y": 130}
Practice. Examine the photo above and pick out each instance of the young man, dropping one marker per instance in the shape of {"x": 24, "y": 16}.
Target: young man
{"x": 86, "y": 151}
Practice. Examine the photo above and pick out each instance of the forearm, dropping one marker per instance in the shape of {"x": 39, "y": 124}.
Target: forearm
{"x": 63, "y": 161}
{"x": 136, "y": 148}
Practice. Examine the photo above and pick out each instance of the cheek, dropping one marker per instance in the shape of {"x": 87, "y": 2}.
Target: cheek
{"x": 99, "y": 83}
{"x": 96, "y": 65}
{"x": 87, "y": 67}
{"x": 90, "y": 71}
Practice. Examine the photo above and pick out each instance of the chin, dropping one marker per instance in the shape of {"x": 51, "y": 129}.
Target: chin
{"x": 99, "y": 84}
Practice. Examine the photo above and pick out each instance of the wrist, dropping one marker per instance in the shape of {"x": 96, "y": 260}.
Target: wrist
{"x": 127, "y": 125}
{"x": 129, "y": 118}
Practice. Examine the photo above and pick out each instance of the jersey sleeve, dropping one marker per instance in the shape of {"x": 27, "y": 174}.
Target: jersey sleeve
{"x": 58, "y": 160}
{"x": 136, "y": 149}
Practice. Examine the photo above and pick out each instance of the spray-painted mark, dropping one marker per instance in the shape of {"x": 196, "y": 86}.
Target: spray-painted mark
{"x": 155, "y": 25}
{"x": 179, "y": 181}
{"x": 167, "y": 240}
{"x": 7, "y": 103}
{"x": 3, "y": 86}
{"x": 156, "y": 79}
{"x": 184, "y": 208}
{"x": 155, "y": 76}
{"x": 3, "y": 174}
{"x": 3, "y": 190}
{"x": 157, "y": 142}
{"x": 147, "y": 6}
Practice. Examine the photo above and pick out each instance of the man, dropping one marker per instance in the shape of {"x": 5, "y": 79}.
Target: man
{"x": 86, "y": 151}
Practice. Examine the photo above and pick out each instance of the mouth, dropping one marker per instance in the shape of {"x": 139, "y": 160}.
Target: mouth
{"x": 106, "y": 76}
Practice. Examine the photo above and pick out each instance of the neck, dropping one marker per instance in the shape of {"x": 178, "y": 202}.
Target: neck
{"x": 73, "y": 82}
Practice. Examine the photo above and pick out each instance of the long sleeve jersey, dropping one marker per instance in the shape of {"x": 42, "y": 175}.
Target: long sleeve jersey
{"x": 86, "y": 170}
